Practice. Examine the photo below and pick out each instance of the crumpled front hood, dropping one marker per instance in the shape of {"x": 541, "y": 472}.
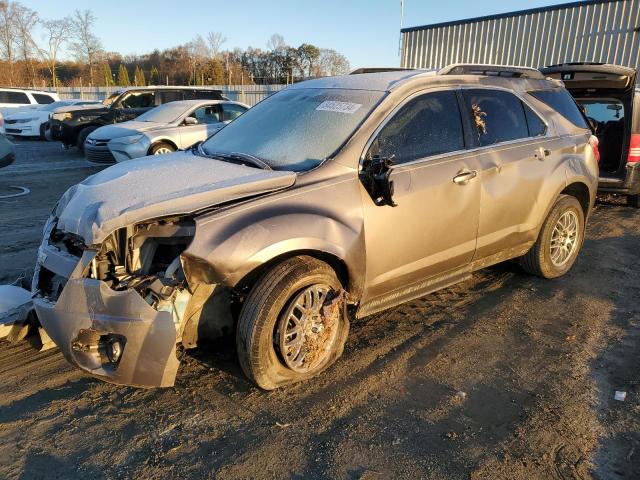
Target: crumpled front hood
{"x": 109, "y": 132}
{"x": 158, "y": 186}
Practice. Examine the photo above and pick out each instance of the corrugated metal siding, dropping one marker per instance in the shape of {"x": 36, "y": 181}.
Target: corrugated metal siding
{"x": 591, "y": 32}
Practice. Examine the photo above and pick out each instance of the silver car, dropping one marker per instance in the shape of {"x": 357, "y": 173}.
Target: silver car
{"x": 332, "y": 199}
{"x": 164, "y": 129}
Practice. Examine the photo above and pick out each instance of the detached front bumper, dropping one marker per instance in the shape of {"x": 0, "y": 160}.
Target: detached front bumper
{"x": 89, "y": 316}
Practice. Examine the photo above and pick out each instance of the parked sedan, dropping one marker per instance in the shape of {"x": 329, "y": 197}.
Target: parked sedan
{"x": 165, "y": 129}
{"x": 33, "y": 122}
{"x": 7, "y": 152}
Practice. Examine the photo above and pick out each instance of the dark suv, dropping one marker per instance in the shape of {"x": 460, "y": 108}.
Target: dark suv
{"x": 73, "y": 125}
{"x": 610, "y": 97}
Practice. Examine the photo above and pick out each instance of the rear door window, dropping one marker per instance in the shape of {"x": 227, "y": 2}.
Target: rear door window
{"x": 43, "y": 99}
{"x": 498, "y": 116}
{"x": 425, "y": 126}
{"x": 562, "y": 102}
{"x": 170, "y": 96}
{"x": 138, "y": 100}
{"x": 537, "y": 127}
{"x": 232, "y": 111}
{"x": 208, "y": 95}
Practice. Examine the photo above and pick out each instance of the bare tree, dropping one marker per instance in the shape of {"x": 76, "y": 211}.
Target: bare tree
{"x": 332, "y": 63}
{"x": 56, "y": 33}
{"x": 86, "y": 46}
{"x": 215, "y": 41}
{"x": 7, "y": 35}
{"x": 276, "y": 43}
{"x": 26, "y": 21}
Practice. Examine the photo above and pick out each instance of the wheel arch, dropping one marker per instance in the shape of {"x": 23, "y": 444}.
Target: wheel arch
{"x": 334, "y": 261}
{"x": 156, "y": 141}
{"x": 581, "y": 192}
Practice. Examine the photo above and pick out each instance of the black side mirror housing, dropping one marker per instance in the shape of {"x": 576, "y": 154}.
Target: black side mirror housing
{"x": 375, "y": 176}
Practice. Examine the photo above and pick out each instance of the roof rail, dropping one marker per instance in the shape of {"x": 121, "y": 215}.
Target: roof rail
{"x": 358, "y": 71}
{"x": 491, "y": 70}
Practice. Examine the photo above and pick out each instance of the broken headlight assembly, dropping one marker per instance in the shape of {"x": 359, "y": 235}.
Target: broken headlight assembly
{"x": 146, "y": 258}
{"x": 61, "y": 116}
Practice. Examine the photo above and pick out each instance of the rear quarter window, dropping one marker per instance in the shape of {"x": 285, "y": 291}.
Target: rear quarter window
{"x": 562, "y": 102}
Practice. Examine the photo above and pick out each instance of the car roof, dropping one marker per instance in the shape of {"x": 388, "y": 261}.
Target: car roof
{"x": 167, "y": 87}
{"x": 190, "y": 103}
{"x": 524, "y": 79}
{"x": 31, "y": 90}
{"x": 378, "y": 81}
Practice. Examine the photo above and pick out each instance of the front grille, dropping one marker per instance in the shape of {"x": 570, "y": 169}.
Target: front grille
{"x": 99, "y": 156}
{"x": 13, "y": 130}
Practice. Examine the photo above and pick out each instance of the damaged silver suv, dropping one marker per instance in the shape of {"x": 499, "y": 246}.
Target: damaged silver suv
{"x": 335, "y": 197}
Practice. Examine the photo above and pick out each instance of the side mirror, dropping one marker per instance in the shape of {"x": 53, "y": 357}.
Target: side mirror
{"x": 191, "y": 121}
{"x": 375, "y": 177}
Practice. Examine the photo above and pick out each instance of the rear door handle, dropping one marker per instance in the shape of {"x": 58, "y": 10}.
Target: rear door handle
{"x": 464, "y": 176}
{"x": 541, "y": 153}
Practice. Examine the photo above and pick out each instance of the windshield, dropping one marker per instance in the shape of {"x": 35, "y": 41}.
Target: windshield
{"x": 110, "y": 99}
{"x": 166, "y": 113}
{"x": 295, "y": 129}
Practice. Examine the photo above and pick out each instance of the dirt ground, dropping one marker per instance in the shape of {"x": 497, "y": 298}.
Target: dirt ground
{"x": 504, "y": 376}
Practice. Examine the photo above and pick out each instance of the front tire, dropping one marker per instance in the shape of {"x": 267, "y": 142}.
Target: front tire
{"x": 161, "y": 148}
{"x": 284, "y": 335}
{"x": 82, "y": 137}
{"x": 559, "y": 241}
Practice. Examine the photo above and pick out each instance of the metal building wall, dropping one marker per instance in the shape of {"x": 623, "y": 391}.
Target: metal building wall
{"x": 590, "y": 31}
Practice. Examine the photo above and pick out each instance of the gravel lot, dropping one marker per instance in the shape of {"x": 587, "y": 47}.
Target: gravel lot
{"x": 503, "y": 376}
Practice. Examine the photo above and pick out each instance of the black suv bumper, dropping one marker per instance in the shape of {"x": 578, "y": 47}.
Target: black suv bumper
{"x": 629, "y": 186}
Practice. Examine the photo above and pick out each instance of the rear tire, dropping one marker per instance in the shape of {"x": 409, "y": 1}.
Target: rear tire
{"x": 161, "y": 148}
{"x": 278, "y": 343}
{"x": 82, "y": 137}
{"x": 556, "y": 249}
{"x": 633, "y": 200}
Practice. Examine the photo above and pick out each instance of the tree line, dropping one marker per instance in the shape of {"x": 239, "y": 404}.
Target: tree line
{"x": 69, "y": 53}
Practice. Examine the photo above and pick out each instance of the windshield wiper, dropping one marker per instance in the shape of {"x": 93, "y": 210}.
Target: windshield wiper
{"x": 235, "y": 157}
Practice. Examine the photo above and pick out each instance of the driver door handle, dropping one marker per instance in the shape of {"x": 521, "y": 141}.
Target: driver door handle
{"x": 464, "y": 176}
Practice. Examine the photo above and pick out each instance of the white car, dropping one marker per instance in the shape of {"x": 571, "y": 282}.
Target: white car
{"x": 33, "y": 122}
{"x": 11, "y": 98}
{"x": 164, "y": 129}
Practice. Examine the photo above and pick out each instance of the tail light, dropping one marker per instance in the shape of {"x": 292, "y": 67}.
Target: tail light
{"x": 634, "y": 149}
{"x": 1, "y": 122}
{"x": 593, "y": 141}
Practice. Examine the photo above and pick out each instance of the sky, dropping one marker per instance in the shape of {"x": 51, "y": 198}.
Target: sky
{"x": 365, "y": 31}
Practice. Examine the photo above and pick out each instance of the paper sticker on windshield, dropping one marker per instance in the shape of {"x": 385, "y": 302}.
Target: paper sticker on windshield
{"x": 340, "y": 107}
